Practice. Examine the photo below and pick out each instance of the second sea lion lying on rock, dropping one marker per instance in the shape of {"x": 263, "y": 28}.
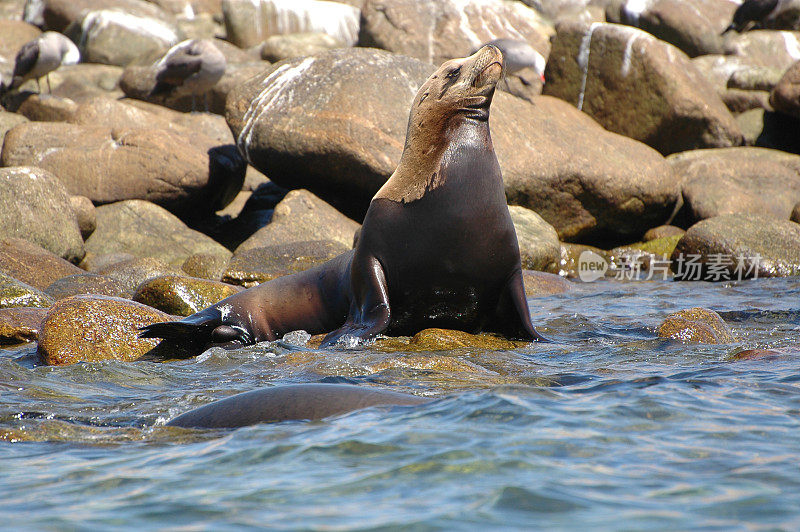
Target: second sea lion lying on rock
{"x": 437, "y": 247}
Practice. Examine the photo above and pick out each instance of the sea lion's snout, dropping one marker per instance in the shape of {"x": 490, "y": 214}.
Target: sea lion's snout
{"x": 487, "y": 66}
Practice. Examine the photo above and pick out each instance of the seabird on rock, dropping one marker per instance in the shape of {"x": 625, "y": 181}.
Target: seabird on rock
{"x": 189, "y": 67}
{"x": 750, "y": 14}
{"x": 518, "y": 55}
{"x": 41, "y": 56}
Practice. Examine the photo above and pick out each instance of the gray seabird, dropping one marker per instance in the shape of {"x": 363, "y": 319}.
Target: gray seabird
{"x": 41, "y": 56}
{"x": 189, "y": 67}
{"x": 518, "y": 55}
{"x": 751, "y": 13}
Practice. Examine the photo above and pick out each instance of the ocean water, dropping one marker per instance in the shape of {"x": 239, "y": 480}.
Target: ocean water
{"x": 606, "y": 428}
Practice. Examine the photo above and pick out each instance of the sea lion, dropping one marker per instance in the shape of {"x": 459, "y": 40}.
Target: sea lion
{"x": 292, "y": 402}
{"x": 437, "y": 247}
{"x": 751, "y": 14}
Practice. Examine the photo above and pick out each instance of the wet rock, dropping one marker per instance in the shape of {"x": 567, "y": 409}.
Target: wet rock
{"x": 85, "y": 213}
{"x": 538, "y": 241}
{"x": 694, "y": 26}
{"x": 738, "y": 246}
{"x": 301, "y": 216}
{"x": 18, "y": 325}
{"x": 186, "y": 175}
{"x": 32, "y": 264}
{"x": 428, "y": 362}
{"x": 737, "y": 180}
{"x": 758, "y": 354}
{"x": 774, "y": 49}
{"x": 663, "y": 231}
{"x": 206, "y": 266}
{"x": 786, "y": 95}
{"x": 696, "y": 325}
{"x": 540, "y": 284}
{"x": 248, "y": 23}
{"x": 86, "y": 283}
{"x": 569, "y": 263}
{"x": 279, "y": 47}
{"x": 638, "y": 86}
{"x": 35, "y": 206}
{"x": 345, "y": 146}
{"x": 182, "y": 295}
{"x": 146, "y": 230}
{"x": 14, "y": 293}
{"x": 134, "y": 272}
{"x": 96, "y": 328}
{"x": 253, "y": 266}
{"x": 8, "y": 121}
{"x": 438, "y": 30}
{"x": 446, "y": 339}
{"x": 115, "y": 37}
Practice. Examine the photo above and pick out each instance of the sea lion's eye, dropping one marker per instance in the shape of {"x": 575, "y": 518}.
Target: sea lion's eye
{"x": 453, "y": 73}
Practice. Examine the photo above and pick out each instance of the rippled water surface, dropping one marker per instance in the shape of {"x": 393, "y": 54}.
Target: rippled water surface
{"x": 607, "y": 428}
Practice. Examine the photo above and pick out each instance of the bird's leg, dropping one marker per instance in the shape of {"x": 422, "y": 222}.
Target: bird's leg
{"x": 47, "y": 77}
{"x": 38, "y": 85}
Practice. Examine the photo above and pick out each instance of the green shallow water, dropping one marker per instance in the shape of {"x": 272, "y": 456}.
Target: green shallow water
{"x": 609, "y": 428}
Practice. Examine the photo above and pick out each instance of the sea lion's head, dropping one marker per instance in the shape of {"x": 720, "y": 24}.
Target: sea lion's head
{"x": 461, "y": 88}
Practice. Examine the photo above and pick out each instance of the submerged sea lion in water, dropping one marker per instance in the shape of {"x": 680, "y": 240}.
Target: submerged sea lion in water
{"x": 293, "y": 402}
{"x": 437, "y": 247}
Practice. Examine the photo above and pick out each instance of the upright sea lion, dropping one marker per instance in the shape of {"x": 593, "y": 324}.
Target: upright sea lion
{"x": 437, "y": 247}
{"x": 292, "y": 402}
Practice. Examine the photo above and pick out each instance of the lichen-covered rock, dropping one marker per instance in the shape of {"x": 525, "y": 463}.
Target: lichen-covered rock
{"x": 257, "y": 265}
{"x": 638, "y": 86}
{"x": 538, "y": 241}
{"x": 96, "y": 328}
{"x": 147, "y": 230}
{"x": 206, "y": 266}
{"x": 696, "y": 325}
{"x": 32, "y": 264}
{"x": 14, "y": 293}
{"x": 22, "y": 324}
{"x": 35, "y": 206}
{"x": 301, "y": 216}
{"x": 737, "y": 246}
{"x": 181, "y": 295}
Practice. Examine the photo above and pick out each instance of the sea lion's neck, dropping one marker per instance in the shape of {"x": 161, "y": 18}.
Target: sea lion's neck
{"x": 426, "y": 151}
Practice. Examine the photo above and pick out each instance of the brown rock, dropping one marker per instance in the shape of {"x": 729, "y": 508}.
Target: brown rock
{"x": 35, "y": 206}
{"x": 32, "y": 264}
{"x": 14, "y": 293}
{"x": 741, "y": 101}
{"x": 786, "y": 95}
{"x": 446, "y": 339}
{"x": 185, "y": 175}
{"x": 85, "y": 213}
{"x": 86, "y": 81}
{"x": 758, "y": 354}
{"x": 541, "y": 284}
{"x": 8, "y": 121}
{"x": 93, "y": 263}
{"x": 538, "y": 241}
{"x": 438, "y": 30}
{"x": 206, "y": 266}
{"x": 47, "y": 108}
{"x": 96, "y": 328}
{"x": 253, "y": 266}
{"x": 137, "y": 271}
{"x": 696, "y": 325}
{"x": 737, "y": 180}
{"x": 86, "y": 283}
{"x": 181, "y": 295}
{"x": 663, "y": 231}
{"x": 58, "y": 14}
{"x": 279, "y": 47}
{"x": 766, "y": 48}
{"x": 299, "y": 217}
{"x": 18, "y": 325}
{"x": 638, "y": 86}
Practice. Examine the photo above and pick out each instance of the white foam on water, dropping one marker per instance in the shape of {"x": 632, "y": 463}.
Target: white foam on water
{"x": 340, "y": 21}
{"x": 274, "y": 89}
{"x": 583, "y": 60}
{"x": 791, "y": 44}
{"x": 96, "y": 21}
{"x": 633, "y": 9}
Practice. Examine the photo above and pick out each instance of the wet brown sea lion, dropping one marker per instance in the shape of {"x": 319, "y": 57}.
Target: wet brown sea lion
{"x": 437, "y": 247}
{"x": 292, "y": 402}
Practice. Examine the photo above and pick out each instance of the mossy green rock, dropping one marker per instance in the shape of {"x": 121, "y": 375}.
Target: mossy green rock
{"x": 696, "y": 325}
{"x": 182, "y": 296}
{"x": 14, "y": 293}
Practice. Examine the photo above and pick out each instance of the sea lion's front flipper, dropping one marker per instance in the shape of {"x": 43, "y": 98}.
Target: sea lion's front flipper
{"x": 202, "y": 328}
{"x": 514, "y": 307}
{"x": 369, "y": 310}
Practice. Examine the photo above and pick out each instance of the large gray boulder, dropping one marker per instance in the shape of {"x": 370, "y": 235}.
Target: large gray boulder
{"x": 638, "y": 86}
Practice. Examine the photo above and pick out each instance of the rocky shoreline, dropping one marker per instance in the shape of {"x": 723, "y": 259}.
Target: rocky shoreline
{"x": 656, "y": 144}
